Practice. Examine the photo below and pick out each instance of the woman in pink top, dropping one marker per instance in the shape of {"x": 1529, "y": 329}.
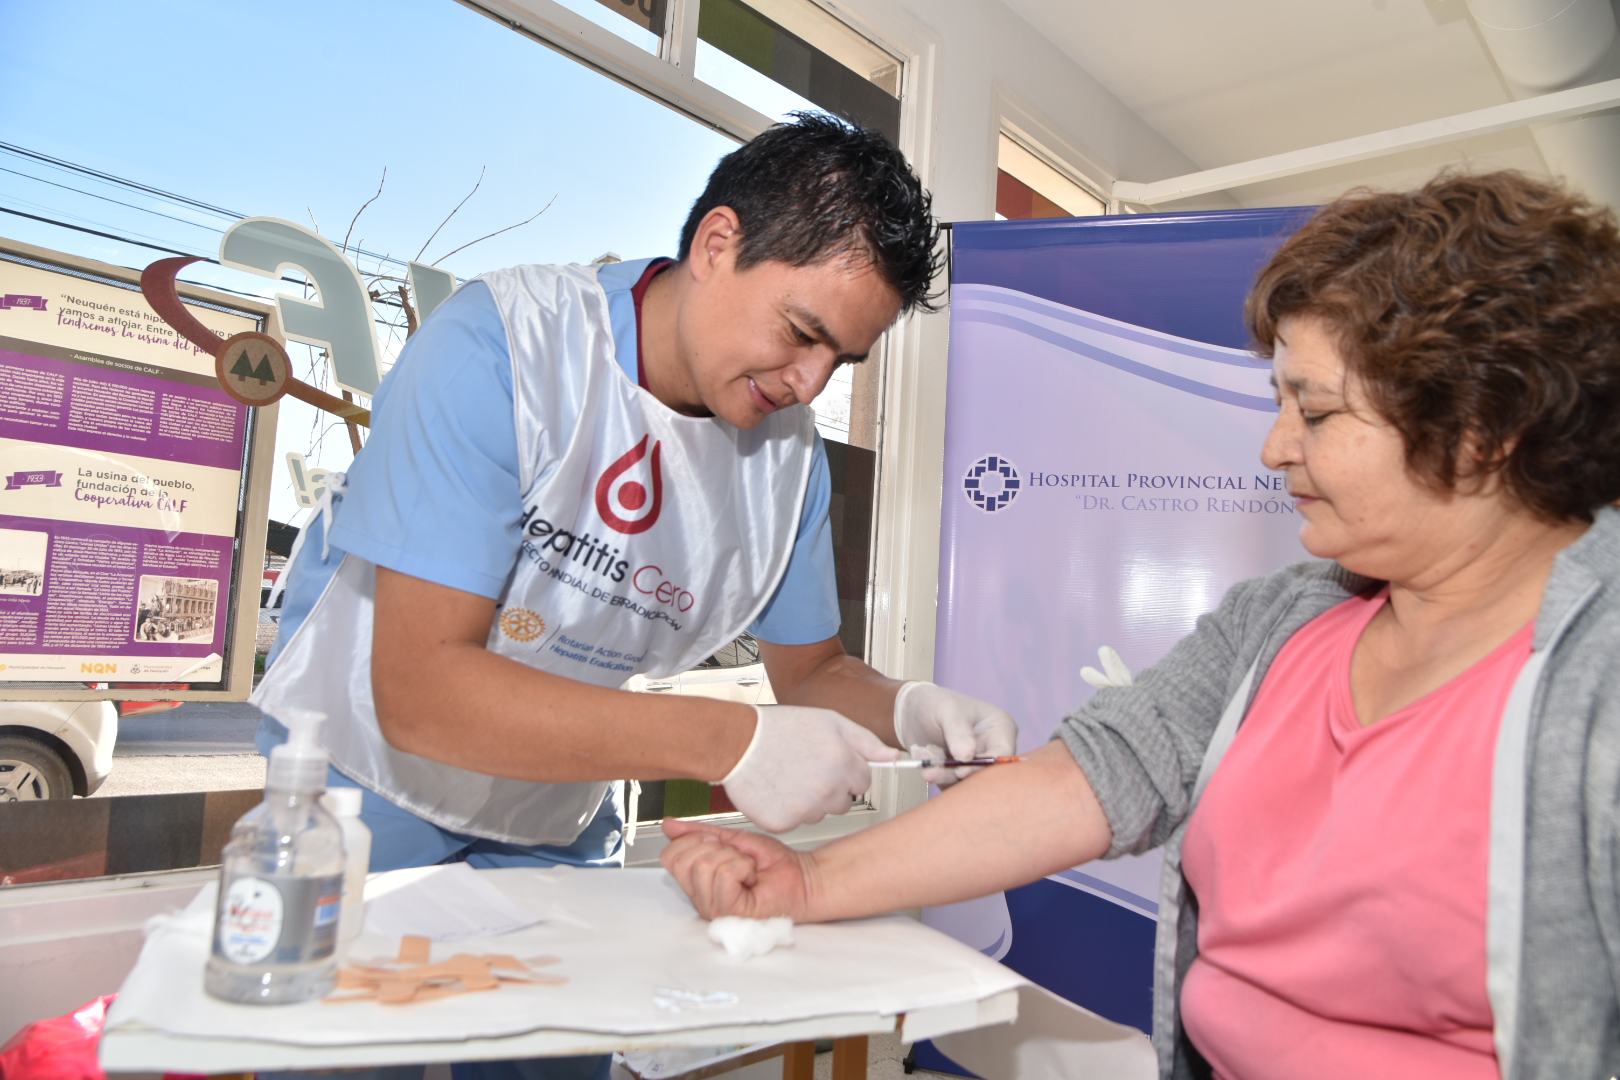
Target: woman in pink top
{"x": 1386, "y": 783}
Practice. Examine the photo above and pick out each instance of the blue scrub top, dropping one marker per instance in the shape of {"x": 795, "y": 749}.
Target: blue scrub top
{"x": 433, "y": 492}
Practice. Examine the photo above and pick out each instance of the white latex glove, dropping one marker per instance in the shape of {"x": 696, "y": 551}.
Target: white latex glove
{"x": 802, "y": 765}
{"x": 937, "y": 723}
{"x": 1114, "y": 675}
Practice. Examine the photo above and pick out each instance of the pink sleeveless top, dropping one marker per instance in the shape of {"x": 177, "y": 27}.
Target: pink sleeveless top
{"x": 1341, "y": 874}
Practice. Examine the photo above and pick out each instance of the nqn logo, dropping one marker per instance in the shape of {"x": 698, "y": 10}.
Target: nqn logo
{"x": 991, "y": 483}
{"x": 622, "y": 497}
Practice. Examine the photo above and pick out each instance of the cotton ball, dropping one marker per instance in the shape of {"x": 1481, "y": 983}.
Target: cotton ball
{"x": 751, "y": 937}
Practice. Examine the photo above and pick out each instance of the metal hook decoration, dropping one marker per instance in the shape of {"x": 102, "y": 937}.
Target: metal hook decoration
{"x": 252, "y": 368}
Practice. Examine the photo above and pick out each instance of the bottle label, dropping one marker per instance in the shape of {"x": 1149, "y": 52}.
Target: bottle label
{"x": 285, "y": 921}
{"x": 250, "y": 918}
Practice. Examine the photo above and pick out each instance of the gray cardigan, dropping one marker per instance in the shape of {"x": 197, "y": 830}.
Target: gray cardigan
{"x": 1553, "y": 910}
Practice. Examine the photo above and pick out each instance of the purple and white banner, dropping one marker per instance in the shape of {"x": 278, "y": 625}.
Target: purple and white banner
{"x": 122, "y": 461}
{"x": 1103, "y": 486}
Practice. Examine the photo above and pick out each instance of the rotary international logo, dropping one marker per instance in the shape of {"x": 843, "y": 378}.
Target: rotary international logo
{"x": 521, "y": 624}
{"x": 991, "y": 483}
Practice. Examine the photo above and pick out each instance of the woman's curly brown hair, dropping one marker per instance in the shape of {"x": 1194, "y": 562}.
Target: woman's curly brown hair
{"x": 1482, "y": 313}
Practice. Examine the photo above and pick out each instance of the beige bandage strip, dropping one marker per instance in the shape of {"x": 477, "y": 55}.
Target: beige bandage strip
{"x": 414, "y": 949}
{"x": 410, "y": 977}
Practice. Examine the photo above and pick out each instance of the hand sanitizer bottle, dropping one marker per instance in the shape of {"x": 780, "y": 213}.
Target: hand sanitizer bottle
{"x": 281, "y": 885}
{"x": 344, "y": 803}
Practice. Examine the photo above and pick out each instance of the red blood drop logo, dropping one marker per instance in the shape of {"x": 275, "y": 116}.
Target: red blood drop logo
{"x": 631, "y": 495}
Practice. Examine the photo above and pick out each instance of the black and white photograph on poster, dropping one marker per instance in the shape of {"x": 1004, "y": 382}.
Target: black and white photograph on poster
{"x": 176, "y": 608}
{"x": 22, "y": 561}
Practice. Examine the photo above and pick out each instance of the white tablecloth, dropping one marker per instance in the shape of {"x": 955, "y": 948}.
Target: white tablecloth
{"x": 641, "y": 972}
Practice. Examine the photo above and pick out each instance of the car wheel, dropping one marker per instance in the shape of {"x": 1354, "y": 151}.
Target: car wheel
{"x": 30, "y": 771}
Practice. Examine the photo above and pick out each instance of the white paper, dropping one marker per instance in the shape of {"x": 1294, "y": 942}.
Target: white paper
{"x": 647, "y": 968}
{"x": 445, "y": 903}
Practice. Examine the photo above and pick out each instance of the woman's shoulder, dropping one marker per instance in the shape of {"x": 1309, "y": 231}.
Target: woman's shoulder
{"x": 1596, "y": 554}
{"x": 1321, "y": 580}
{"x": 1580, "y": 606}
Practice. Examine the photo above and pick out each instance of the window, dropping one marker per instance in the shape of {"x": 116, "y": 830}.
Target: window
{"x": 640, "y": 22}
{"x": 798, "y": 47}
{"x": 623, "y": 156}
{"x": 1028, "y": 187}
{"x": 120, "y": 197}
{"x": 775, "y": 57}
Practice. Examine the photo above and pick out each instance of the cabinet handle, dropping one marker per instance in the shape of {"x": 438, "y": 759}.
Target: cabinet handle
{"x": 747, "y": 682}
{"x": 657, "y": 686}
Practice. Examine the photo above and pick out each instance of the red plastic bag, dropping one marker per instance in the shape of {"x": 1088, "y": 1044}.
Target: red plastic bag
{"x": 62, "y": 1048}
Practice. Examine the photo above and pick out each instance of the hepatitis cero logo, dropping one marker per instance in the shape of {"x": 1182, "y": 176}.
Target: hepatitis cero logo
{"x": 991, "y": 483}
{"x": 622, "y": 496}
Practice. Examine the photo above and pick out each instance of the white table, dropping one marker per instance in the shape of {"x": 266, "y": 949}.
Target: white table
{"x": 622, "y": 935}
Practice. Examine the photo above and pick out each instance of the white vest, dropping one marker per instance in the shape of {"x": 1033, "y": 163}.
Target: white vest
{"x": 649, "y": 540}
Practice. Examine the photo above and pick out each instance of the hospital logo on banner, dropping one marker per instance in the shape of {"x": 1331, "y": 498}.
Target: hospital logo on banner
{"x": 991, "y": 483}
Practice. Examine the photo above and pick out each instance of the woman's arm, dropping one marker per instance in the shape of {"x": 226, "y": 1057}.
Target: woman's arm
{"x": 1008, "y": 825}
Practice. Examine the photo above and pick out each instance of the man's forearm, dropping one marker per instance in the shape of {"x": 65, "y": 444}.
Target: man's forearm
{"x": 440, "y": 694}
{"x": 825, "y": 677}
{"x": 481, "y": 711}
{"x": 1007, "y": 826}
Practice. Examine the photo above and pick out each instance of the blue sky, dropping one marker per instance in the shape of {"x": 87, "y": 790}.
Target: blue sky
{"x": 293, "y": 108}
{"x": 281, "y": 108}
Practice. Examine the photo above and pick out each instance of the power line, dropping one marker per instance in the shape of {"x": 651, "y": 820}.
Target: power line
{"x": 384, "y": 300}
{"x": 120, "y": 181}
{"x": 108, "y": 198}
{"x": 55, "y": 212}
{"x": 104, "y": 235}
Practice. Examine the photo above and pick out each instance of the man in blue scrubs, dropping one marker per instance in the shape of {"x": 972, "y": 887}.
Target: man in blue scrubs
{"x": 575, "y": 473}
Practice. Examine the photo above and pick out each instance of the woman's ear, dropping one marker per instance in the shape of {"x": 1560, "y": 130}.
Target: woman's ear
{"x": 1479, "y": 464}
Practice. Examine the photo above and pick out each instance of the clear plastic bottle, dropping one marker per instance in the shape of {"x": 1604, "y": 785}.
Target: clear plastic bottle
{"x": 345, "y": 803}
{"x": 281, "y": 885}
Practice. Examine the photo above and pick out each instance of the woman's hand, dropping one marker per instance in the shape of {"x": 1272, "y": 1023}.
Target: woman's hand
{"x": 1008, "y": 825}
{"x": 728, "y": 872}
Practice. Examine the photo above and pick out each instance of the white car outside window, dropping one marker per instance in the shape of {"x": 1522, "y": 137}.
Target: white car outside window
{"x": 55, "y": 749}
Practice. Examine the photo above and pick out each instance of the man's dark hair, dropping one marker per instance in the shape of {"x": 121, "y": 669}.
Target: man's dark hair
{"x": 818, "y": 189}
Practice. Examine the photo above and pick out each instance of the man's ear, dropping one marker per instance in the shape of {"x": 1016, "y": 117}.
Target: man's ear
{"x": 714, "y": 242}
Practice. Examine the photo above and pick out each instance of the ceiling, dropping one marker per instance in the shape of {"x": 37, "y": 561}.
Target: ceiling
{"x": 1229, "y": 82}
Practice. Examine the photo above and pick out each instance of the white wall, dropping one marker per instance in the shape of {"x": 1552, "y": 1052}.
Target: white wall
{"x": 974, "y": 64}
{"x": 983, "y": 49}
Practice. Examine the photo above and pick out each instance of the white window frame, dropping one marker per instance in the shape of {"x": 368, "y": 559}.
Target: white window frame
{"x": 1026, "y": 126}
{"x": 669, "y": 76}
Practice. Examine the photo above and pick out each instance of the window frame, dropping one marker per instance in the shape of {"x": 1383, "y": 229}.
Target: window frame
{"x": 1025, "y": 126}
{"x": 670, "y": 76}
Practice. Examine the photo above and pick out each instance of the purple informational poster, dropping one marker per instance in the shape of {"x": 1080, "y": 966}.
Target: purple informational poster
{"x": 121, "y": 466}
{"x": 1103, "y": 486}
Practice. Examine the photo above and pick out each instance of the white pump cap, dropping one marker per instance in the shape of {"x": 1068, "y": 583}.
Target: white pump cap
{"x": 299, "y": 764}
{"x": 343, "y": 801}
